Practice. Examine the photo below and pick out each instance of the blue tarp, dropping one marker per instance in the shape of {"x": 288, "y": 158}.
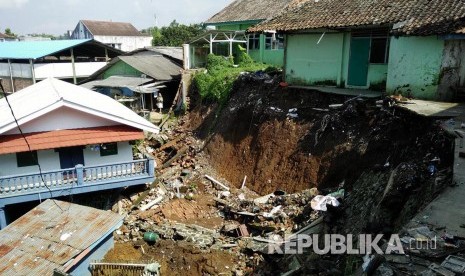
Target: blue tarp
{"x": 36, "y": 49}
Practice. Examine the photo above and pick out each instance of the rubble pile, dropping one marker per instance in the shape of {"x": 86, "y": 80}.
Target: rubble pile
{"x": 373, "y": 168}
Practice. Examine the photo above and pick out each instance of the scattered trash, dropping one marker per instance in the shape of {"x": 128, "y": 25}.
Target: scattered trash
{"x": 319, "y": 202}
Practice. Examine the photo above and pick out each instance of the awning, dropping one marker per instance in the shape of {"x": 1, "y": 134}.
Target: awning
{"x": 68, "y": 138}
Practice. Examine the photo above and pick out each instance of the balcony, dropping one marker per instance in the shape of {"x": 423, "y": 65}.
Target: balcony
{"x": 81, "y": 179}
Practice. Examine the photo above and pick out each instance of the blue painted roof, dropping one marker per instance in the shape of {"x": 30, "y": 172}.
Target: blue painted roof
{"x": 36, "y": 49}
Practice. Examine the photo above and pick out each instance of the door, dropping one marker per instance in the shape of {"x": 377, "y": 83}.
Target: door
{"x": 70, "y": 157}
{"x": 358, "y": 61}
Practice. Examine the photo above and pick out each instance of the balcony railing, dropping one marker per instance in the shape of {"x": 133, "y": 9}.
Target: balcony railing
{"x": 75, "y": 177}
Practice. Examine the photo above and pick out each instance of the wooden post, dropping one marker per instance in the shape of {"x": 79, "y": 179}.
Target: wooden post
{"x": 32, "y": 71}
{"x": 74, "y": 66}
{"x": 11, "y": 77}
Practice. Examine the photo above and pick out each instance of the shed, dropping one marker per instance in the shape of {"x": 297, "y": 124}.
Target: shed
{"x": 56, "y": 235}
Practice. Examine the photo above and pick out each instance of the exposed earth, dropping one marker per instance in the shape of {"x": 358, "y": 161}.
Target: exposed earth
{"x": 270, "y": 138}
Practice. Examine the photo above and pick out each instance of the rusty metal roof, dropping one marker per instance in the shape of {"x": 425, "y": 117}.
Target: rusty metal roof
{"x": 412, "y": 17}
{"x": 46, "y": 237}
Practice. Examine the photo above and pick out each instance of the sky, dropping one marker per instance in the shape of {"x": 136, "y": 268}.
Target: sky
{"x": 57, "y": 16}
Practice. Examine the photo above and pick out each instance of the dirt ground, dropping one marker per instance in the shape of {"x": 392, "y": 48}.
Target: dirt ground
{"x": 254, "y": 135}
{"x": 175, "y": 258}
{"x": 289, "y": 140}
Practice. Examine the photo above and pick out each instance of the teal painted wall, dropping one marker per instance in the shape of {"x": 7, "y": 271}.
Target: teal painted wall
{"x": 272, "y": 57}
{"x": 121, "y": 69}
{"x": 377, "y": 76}
{"x": 309, "y": 63}
{"x": 414, "y": 66}
{"x": 233, "y": 27}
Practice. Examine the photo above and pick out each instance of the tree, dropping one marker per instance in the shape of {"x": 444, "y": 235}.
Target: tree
{"x": 175, "y": 34}
{"x": 9, "y": 32}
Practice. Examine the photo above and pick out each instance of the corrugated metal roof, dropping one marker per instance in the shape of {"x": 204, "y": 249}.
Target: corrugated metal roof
{"x": 36, "y": 49}
{"x": 117, "y": 82}
{"x": 50, "y": 94}
{"x": 68, "y": 138}
{"x": 155, "y": 66}
{"x": 109, "y": 28}
{"x": 34, "y": 244}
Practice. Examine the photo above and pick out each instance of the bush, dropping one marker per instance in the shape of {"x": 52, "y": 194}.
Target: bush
{"x": 216, "y": 84}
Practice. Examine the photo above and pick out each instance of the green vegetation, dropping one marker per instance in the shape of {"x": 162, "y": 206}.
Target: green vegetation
{"x": 174, "y": 35}
{"x": 217, "y": 82}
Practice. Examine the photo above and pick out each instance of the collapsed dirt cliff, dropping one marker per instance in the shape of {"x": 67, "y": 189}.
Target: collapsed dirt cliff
{"x": 390, "y": 162}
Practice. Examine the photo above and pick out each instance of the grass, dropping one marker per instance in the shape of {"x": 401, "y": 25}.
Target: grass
{"x": 216, "y": 83}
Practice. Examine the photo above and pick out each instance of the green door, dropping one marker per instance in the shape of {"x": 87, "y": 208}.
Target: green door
{"x": 358, "y": 62}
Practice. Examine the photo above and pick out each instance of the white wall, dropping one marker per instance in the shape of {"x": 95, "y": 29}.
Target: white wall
{"x": 63, "y": 118}
{"x": 56, "y": 70}
{"x": 128, "y": 43}
{"x": 49, "y": 160}
{"x": 93, "y": 158}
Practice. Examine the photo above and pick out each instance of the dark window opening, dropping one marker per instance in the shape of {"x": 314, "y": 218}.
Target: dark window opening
{"x": 254, "y": 42}
{"x": 379, "y": 50}
{"x": 26, "y": 159}
{"x": 109, "y": 149}
{"x": 274, "y": 41}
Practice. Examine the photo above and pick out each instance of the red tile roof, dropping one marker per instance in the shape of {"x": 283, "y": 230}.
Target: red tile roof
{"x": 68, "y": 138}
{"x": 411, "y": 17}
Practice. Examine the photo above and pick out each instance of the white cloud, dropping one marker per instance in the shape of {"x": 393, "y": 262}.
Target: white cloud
{"x": 6, "y": 4}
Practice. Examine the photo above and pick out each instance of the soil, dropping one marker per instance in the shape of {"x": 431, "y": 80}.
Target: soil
{"x": 175, "y": 258}
{"x": 252, "y": 135}
{"x": 380, "y": 156}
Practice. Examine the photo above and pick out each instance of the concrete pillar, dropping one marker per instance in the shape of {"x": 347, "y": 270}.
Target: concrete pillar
{"x": 33, "y": 72}
{"x": 106, "y": 55}
{"x": 74, "y": 66}
{"x": 80, "y": 174}
{"x": 186, "y": 56}
{"x": 2, "y": 217}
{"x": 11, "y": 77}
{"x": 211, "y": 44}
{"x": 151, "y": 167}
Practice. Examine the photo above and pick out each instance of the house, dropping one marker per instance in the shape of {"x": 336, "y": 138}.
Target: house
{"x": 57, "y": 235}
{"x": 23, "y": 63}
{"x": 70, "y": 140}
{"x": 6, "y": 38}
{"x": 229, "y": 27}
{"x": 415, "y": 47}
{"x": 137, "y": 77}
{"x": 120, "y": 35}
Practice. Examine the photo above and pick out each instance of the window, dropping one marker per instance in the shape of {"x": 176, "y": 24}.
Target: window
{"x": 379, "y": 50}
{"x": 109, "y": 149}
{"x": 274, "y": 41}
{"x": 254, "y": 42}
{"x": 26, "y": 159}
